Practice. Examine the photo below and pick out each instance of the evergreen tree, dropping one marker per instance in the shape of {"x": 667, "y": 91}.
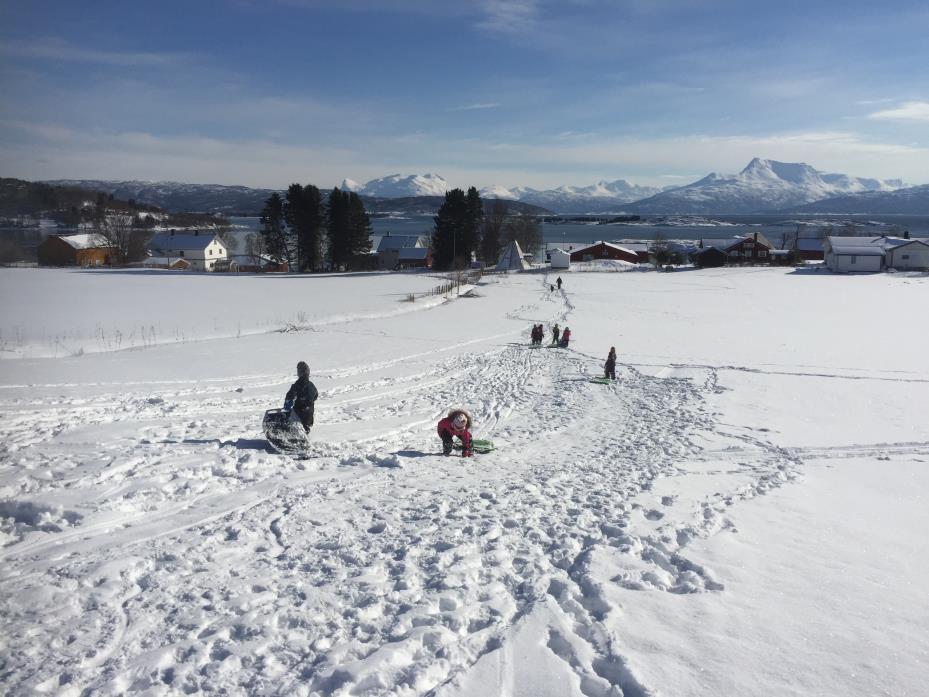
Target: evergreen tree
{"x": 473, "y": 223}
{"x": 448, "y": 237}
{"x": 304, "y": 217}
{"x": 338, "y": 227}
{"x": 273, "y": 229}
{"x": 359, "y": 229}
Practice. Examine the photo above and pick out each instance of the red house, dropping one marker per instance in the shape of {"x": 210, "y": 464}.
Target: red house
{"x": 604, "y": 250}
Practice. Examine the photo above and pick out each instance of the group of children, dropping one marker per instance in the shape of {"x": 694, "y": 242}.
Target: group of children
{"x": 559, "y": 337}
{"x": 301, "y": 403}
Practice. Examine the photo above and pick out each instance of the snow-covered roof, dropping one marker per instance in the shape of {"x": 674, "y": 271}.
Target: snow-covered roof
{"x": 857, "y": 246}
{"x": 399, "y": 242}
{"x": 87, "y": 240}
{"x": 164, "y": 261}
{"x": 184, "y": 240}
{"x": 606, "y": 244}
{"x": 721, "y": 243}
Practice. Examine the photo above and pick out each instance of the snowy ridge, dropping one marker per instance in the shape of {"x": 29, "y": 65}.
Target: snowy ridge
{"x": 401, "y": 186}
{"x": 763, "y": 185}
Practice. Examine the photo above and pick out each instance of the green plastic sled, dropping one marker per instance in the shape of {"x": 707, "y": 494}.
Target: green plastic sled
{"x": 479, "y": 446}
{"x": 601, "y": 381}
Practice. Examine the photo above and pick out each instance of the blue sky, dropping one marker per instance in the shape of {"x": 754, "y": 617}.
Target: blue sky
{"x": 510, "y": 92}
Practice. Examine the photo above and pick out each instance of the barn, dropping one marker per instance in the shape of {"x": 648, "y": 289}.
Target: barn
{"x": 604, "y": 250}
{"x": 85, "y": 249}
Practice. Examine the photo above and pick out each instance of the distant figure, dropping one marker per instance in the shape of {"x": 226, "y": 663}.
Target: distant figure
{"x": 565, "y": 338}
{"x": 302, "y": 396}
{"x": 551, "y": 289}
{"x": 609, "y": 368}
{"x": 558, "y": 281}
{"x": 555, "y": 333}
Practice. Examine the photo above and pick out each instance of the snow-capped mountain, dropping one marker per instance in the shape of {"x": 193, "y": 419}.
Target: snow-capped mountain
{"x": 350, "y": 185}
{"x": 764, "y": 185}
{"x": 401, "y": 186}
{"x": 602, "y": 197}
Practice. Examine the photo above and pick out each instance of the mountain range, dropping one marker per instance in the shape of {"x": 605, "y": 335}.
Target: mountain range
{"x": 763, "y": 186}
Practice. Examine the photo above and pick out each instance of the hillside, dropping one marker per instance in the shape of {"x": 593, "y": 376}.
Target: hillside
{"x": 910, "y": 201}
{"x": 731, "y": 492}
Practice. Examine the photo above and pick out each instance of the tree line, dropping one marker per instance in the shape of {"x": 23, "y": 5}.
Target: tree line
{"x": 466, "y": 229}
{"x": 311, "y": 234}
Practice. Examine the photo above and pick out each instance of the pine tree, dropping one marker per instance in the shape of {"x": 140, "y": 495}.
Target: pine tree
{"x": 359, "y": 229}
{"x": 473, "y": 223}
{"x": 338, "y": 227}
{"x": 304, "y": 217}
{"x": 273, "y": 229}
{"x": 448, "y": 237}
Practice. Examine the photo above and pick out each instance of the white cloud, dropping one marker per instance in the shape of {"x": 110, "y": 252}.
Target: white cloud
{"x": 908, "y": 111}
{"x": 54, "y": 48}
{"x": 509, "y": 16}
{"x": 475, "y": 107}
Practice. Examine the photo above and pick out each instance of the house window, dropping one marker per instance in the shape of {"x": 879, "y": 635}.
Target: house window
{"x": 854, "y": 259}
{"x": 180, "y": 253}
{"x": 905, "y": 256}
{"x": 762, "y": 253}
{"x": 211, "y": 252}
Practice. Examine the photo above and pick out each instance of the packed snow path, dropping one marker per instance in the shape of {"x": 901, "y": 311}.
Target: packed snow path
{"x": 179, "y": 560}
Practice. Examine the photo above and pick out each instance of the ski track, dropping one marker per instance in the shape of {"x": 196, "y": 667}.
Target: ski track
{"x": 376, "y": 567}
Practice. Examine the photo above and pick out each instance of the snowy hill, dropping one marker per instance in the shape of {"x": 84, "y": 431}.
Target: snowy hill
{"x": 764, "y": 185}
{"x": 909, "y": 201}
{"x": 744, "y": 509}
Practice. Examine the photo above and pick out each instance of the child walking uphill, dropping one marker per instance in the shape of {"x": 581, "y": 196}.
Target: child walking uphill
{"x": 609, "y": 368}
{"x": 457, "y": 423}
{"x": 302, "y": 396}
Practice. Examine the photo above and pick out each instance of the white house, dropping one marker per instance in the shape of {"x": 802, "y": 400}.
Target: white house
{"x": 912, "y": 255}
{"x": 853, "y": 254}
{"x": 200, "y": 251}
{"x": 560, "y": 259}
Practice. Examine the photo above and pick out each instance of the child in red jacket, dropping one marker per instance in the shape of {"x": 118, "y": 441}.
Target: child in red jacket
{"x": 457, "y": 423}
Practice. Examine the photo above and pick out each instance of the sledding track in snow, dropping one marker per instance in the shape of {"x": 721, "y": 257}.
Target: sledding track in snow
{"x": 376, "y": 567}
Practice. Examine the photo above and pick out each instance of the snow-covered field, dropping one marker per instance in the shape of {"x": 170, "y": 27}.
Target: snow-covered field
{"x": 743, "y": 512}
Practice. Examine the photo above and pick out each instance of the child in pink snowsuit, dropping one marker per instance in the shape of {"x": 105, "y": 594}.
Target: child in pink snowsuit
{"x": 457, "y": 423}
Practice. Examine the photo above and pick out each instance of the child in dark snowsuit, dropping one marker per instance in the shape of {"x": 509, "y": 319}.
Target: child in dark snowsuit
{"x": 565, "y": 338}
{"x": 558, "y": 281}
{"x": 609, "y": 368}
{"x": 457, "y": 423}
{"x": 301, "y": 397}
{"x": 555, "y": 332}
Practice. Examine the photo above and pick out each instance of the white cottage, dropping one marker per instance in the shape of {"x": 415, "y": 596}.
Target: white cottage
{"x": 201, "y": 251}
{"x": 853, "y": 254}
{"x": 913, "y": 255}
{"x": 560, "y": 259}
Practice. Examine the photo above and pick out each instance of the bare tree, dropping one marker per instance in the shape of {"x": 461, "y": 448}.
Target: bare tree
{"x": 114, "y": 230}
{"x": 659, "y": 253}
{"x": 526, "y": 230}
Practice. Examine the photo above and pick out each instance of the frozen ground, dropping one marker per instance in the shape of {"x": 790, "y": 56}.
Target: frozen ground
{"x": 743, "y": 512}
